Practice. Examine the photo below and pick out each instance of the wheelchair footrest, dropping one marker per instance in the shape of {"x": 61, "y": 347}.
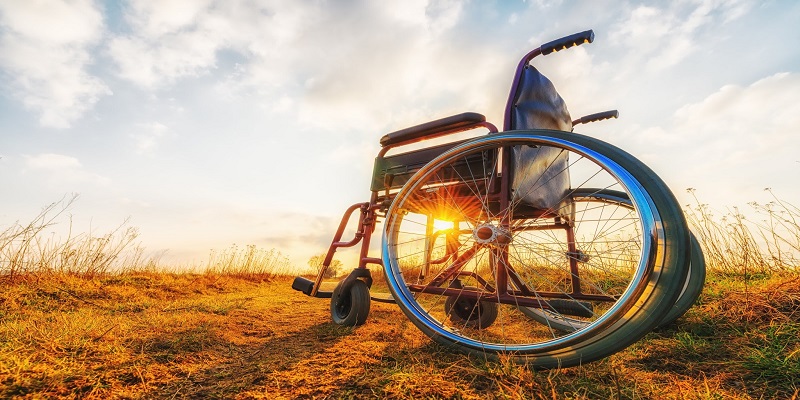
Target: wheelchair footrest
{"x": 307, "y": 286}
{"x": 572, "y": 307}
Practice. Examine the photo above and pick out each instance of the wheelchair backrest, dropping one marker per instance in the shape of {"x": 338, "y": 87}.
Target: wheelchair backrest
{"x": 538, "y": 180}
{"x": 536, "y": 104}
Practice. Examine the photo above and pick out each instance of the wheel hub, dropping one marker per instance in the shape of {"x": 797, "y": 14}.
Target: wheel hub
{"x": 488, "y": 233}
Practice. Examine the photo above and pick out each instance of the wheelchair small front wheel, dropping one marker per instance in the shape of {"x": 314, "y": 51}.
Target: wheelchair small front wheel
{"x": 350, "y": 303}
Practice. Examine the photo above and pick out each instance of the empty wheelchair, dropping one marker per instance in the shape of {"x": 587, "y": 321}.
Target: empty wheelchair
{"x": 544, "y": 245}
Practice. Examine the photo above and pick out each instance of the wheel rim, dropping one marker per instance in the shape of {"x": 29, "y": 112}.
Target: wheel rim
{"x": 412, "y": 271}
{"x": 343, "y": 304}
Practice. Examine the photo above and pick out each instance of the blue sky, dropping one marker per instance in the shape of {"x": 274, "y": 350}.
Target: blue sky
{"x": 214, "y": 122}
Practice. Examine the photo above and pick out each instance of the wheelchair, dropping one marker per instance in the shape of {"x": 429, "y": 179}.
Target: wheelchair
{"x": 537, "y": 243}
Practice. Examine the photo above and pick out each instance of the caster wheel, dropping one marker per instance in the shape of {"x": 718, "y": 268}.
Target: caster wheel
{"x": 350, "y": 307}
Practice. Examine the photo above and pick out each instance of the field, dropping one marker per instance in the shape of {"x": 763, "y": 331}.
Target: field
{"x": 237, "y": 330}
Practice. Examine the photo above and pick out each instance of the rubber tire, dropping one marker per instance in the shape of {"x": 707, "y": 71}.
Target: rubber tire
{"x": 650, "y": 307}
{"x": 693, "y": 286}
{"x": 350, "y": 307}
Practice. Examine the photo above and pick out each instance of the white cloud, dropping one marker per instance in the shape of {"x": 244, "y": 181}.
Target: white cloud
{"x": 768, "y": 108}
{"x": 660, "y": 37}
{"x": 49, "y": 161}
{"x": 148, "y": 136}
{"x": 150, "y": 63}
{"x": 45, "y": 50}
{"x": 52, "y": 21}
{"x": 63, "y": 169}
{"x": 181, "y": 38}
{"x": 739, "y": 137}
{"x": 435, "y": 15}
{"x": 164, "y": 17}
{"x": 329, "y": 59}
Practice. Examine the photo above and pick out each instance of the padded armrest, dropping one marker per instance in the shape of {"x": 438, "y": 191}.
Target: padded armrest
{"x": 439, "y": 127}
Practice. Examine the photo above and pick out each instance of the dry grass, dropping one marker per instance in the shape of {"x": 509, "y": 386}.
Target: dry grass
{"x": 112, "y": 328}
{"x": 26, "y": 249}
{"x": 144, "y": 335}
{"x": 763, "y": 241}
{"x": 28, "y": 253}
{"x": 250, "y": 262}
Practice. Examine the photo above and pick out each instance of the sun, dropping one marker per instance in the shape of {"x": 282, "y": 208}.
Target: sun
{"x": 442, "y": 225}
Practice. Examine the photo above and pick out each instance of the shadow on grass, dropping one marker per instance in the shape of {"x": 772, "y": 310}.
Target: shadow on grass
{"x": 210, "y": 363}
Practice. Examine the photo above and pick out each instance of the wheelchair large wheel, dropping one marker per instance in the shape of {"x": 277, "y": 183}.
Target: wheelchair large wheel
{"x": 463, "y": 228}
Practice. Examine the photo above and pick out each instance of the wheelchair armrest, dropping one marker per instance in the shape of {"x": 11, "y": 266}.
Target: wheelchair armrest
{"x": 439, "y": 127}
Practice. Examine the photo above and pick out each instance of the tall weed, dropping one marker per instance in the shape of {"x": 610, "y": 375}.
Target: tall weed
{"x": 28, "y": 249}
{"x": 250, "y": 262}
{"x": 31, "y": 251}
{"x": 762, "y": 242}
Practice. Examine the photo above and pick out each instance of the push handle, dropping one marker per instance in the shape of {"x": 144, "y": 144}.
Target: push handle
{"x": 596, "y": 117}
{"x": 566, "y": 42}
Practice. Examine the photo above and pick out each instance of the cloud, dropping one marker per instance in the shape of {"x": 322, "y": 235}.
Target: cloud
{"x": 151, "y": 63}
{"x": 328, "y": 59}
{"x": 63, "y": 169}
{"x": 747, "y": 116}
{"x": 660, "y": 37}
{"x": 45, "y": 50}
{"x": 177, "y": 38}
{"x": 741, "y": 137}
{"x": 54, "y": 162}
{"x": 148, "y": 136}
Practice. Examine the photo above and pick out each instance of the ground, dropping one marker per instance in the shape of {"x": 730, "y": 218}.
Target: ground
{"x": 147, "y": 335}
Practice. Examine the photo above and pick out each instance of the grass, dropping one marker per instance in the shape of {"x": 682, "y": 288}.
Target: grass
{"x": 147, "y": 335}
{"x": 118, "y": 326}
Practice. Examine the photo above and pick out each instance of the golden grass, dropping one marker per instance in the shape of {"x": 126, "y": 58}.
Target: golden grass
{"x": 146, "y": 335}
{"x": 763, "y": 241}
{"x": 26, "y": 249}
{"x": 117, "y": 325}
{"x": 28, "y": 253}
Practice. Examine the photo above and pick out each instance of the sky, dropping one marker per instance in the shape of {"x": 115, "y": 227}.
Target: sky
{"x": 209, "y": 123}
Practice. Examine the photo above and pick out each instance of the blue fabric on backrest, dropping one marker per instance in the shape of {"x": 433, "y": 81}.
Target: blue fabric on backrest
{"x": 540, "y": 173}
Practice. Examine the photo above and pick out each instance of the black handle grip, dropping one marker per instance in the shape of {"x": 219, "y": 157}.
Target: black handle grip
{"x": 596, "y": 117}
{"x": 566, "y": 42}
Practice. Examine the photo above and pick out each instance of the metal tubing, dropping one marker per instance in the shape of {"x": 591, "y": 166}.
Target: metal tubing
{"x": 367, "y": 224}
{"x": 500, "y": 253}
{"x": 454, "y": 269}
{"x": 336, "y": 243}
{"x": 426, "y": 265}
{"x": 573, "y": 262}
{"x": 515, "y": 84}
{"x": 513, "y": 297}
